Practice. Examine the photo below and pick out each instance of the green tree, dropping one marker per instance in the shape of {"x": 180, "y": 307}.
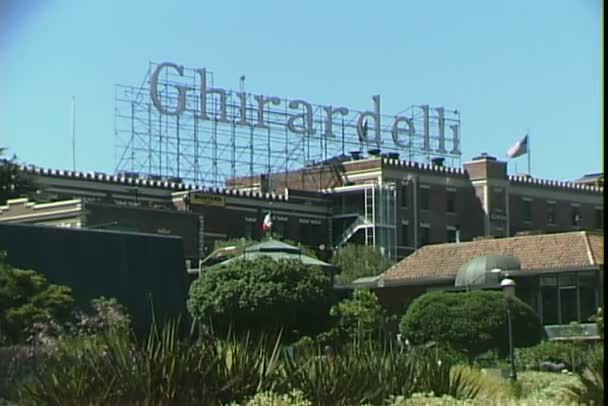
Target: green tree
{"x": 14, "y": 182}
{"x": 361, "y": 316}
{"x": 262, "y": 295}
{"x": 356, "y": 261}
{"x": 26, "y": 298}
{"x": 471, "y": 323}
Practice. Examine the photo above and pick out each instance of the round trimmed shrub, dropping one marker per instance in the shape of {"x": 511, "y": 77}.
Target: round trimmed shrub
{"x": 471, "y": 323}
{"x": 263, "y": 296}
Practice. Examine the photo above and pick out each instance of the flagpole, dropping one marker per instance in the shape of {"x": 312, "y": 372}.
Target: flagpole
{"x": 529, "y": 170}
{"x": 73, "y": 133}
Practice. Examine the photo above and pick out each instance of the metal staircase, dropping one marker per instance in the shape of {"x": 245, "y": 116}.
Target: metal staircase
{"x": 359, "y": 224}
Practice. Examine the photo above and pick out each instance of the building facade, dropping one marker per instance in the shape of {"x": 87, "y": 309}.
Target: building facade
{"x": 396, "y": 205}
{"x": 559, "y": 275}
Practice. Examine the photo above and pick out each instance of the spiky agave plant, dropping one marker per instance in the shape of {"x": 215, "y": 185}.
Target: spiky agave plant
{"x": 246, "y": 365}
{"x": 590, "y": 388}
{"x": 164, "y": 368}
{"x": 360, "y": 373}
{"x": 434, "y": 372}
{"x": 327, "y": 378}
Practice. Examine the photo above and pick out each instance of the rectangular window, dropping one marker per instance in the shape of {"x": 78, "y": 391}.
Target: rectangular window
{"x": 549, "y": 302}
{"x": 248, "y": 232}
{"x": 587, "y": 286}
{"x": 599, "y": 219}
{"x": 425, "y": 198}
{"x": 567, "y": 297}
{"x": 526, "y": 213}
{"x": 451, "y": 201}
{"x": 575, "y": 217}
{"x": 453, "y": 234}
{"x": 405, "y": 235}
{"x": 551, "y": 213}
{"x": 404, "y": 196}
{"x": 280, "y": 229}
{"x": 498, "y": 200}
{"x": 425, "y": 235}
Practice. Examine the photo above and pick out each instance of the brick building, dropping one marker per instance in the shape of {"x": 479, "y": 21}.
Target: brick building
{"x": 380, "y": 200}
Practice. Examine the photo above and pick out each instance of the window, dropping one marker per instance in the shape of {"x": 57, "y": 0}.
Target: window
{"x": 451, "y": 201}
{"x": 280, "y": 228}
{"x": 405, "y": 235}
{"x": 575, "y": 217}
{"x": 587, "y": 283}
{"x": 526, "y": 213}
{"x": 425, "y": 235}
{"x": 548, "y": 288}
{"x": 567, "y": 297}
{"x": 404, "y": 196}
{"x": 248, "y": 232}
{"x": 551, "y": 213}
{"x": 498, "y": 200}
{"x": 425, "y": 198}
{"x": 599, "y": 219}
{"x": 453, "y": 234}
{"x": 305, "y": 233}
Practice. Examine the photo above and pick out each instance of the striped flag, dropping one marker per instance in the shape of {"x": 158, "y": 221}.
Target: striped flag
{"x": 267, "y": 224}
{"x": 520, "y": 148}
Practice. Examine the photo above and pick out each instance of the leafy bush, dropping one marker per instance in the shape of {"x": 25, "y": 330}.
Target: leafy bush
{"x": 27, "y": 301}
{"x": 572, "y": 354}
{"x": 471, "y": 323}
{"x": 359, "y": 317}
{"x": 107, "y": 315}
{"x": 14, "y": 182}
{"x": 263, "y": 295}
{"x": 356, "y": 261}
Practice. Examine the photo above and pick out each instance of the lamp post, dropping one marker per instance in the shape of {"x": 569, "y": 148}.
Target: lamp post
{"x": 508, "y": 287}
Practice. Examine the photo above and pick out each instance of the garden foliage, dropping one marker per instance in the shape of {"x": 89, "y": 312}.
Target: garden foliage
{"x": 356, "y": 261}
{"x": 27, "y": 300}
{"x": 360, "y": 317}
{"x": 263, "y": 295}
{"x": 167, "y": 369}
{"x": 471, "y": 323}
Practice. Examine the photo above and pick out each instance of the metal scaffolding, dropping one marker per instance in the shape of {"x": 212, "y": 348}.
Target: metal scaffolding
{"x": 207, "y": 152}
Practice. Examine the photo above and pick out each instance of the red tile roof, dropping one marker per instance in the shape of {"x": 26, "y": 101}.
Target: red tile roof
{"x": 560, "y": 251}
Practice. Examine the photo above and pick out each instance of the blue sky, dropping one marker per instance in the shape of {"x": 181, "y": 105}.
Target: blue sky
{"x": 507, "y": 66}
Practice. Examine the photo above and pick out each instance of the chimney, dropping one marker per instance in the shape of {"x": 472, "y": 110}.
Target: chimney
{"x": 374, "y": 152}
{"x": 485, "y": 166}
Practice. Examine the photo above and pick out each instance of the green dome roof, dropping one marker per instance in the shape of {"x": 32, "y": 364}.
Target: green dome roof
{"x": 477, "y": 271}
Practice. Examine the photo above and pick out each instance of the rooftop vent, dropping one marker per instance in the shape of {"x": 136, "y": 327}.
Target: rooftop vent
{"x": 484, "y": 155}
{"x": 437, "y": 161}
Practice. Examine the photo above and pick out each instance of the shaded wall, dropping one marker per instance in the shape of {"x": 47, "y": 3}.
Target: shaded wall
{"x": 139, "y": 270}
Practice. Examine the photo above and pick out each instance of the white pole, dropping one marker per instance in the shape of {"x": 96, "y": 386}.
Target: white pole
{"x": 74, "y": 133}
{"x": 529, "y": 154}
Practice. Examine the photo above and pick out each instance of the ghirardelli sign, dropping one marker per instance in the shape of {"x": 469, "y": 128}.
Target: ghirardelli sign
{"x": 423, "y": 129}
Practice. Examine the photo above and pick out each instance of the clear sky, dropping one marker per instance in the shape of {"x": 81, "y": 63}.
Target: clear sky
{"x": 507, "y": 66}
